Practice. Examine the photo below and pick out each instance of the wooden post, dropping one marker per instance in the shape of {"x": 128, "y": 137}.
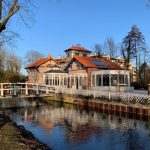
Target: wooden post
{"x": 15, "y": 92}
{"x": 47, "y": 90}
{"x": 2, "y": 90}
{"x": 26, "y": 89}
{"x": 148, "y": 89}
{"x": 109, "y": 96}
{"x": 37, "y": 89}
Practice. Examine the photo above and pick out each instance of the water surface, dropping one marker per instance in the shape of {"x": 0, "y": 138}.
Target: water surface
{"x": 63, "y": 127}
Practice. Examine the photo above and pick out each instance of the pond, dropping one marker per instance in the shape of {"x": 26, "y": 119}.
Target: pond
{"x": 63, "y": 127}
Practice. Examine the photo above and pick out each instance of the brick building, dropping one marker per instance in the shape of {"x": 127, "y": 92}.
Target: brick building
{"x": 78, "y": 71}
{"x": 42, "y": 65}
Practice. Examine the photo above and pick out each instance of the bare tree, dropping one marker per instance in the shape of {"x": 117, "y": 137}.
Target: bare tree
{"x": 31, "y": 56}
{"x": 110, "y": 46}
{"x": 127, "y": 52}
{"x": 8, "y": 37}
{"x": 137, "y": 44}
{"x": 2, "y": 57}
{"x": 98, "y": 50}
{"x": 8, "y": 8}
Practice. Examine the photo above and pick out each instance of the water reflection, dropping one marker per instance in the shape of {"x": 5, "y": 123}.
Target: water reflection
{"x": 65, "y": 127}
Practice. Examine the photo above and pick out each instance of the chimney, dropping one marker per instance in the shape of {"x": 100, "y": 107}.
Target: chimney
{"x": 49, "y": 56}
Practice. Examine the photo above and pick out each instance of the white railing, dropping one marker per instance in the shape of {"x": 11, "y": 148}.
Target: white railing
{"x": 126, "y": 97}
{"x": 107, "y": 95}
{"x": 24, "y": 88}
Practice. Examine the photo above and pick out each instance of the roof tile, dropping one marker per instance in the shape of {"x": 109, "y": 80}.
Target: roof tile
{"x": 89, "y": 62}
{"x": 39, "y": 62}
{"x": 78, "y": 48}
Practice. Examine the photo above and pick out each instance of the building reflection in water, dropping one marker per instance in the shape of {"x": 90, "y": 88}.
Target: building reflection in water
{"x": 80, "y": 126}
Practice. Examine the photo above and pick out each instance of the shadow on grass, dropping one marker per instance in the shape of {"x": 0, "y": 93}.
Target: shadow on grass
{"x": 4, "y": 120}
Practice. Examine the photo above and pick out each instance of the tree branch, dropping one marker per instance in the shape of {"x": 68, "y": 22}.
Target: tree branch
{"x": 12, "y": 11}
{"x": 13, "y": 6}
{"x": 0, "y": 9}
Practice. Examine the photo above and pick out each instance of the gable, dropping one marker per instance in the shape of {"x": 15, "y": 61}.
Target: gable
{"x": 49, "y": 63}
{"x": 74, "y": 65}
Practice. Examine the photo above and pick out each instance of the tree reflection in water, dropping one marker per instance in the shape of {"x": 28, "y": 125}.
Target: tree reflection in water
{"x": 132, "y": 139}
{"x": 71, "y": 128}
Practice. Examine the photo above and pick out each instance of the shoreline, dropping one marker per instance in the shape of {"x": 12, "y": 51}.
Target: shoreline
{"x": 13, "y": 136}
{"x": 17, "y": 137}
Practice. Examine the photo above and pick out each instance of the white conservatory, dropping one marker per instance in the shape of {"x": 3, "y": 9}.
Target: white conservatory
{"x": 110, "y": 80}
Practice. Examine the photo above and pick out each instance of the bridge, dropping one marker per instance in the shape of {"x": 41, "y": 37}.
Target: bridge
{"x": 25, "y": 89}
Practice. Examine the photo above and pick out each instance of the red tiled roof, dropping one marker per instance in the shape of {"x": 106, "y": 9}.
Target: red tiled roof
{"x": 91, "y": 62}
{"x": 61, "y": 60}
{"x": 39, "y": 62}
{"x": 78, "y": 48}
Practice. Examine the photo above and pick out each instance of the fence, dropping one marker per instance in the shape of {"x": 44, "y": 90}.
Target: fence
{"x": 107, "y": 95}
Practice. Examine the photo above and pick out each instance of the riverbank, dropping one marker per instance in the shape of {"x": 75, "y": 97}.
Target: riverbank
{"x": 88, "y": 102}
{"x": 16, "y": 137}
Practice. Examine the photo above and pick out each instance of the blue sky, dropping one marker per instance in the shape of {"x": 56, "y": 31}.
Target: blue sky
{"x": 62, "y": 23}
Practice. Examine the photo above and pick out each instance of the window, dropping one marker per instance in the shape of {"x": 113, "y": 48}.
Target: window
{"x": 80, "y": 81}
{"x": 114, "y": 79}
{"x": 105, "y": 79}
{"x": 126, "y": 79}
{"x": 77, "y": 66}
{"x": 84, "y": 54}
{"x": 121, "y": 79}
{"x": 68, "y": 55}
{"x": 98, "y": 80}
{"x": 53, "y": 81}
{"x": 50, "y": 82}
{"x": 46, "y": 81}
{"x": 65, "y": 81}
{"x": 56, "y": 83}
{"x": 93, "y": 80}
{"x": 72, "y": 81}
{"x": 76, "y": 53}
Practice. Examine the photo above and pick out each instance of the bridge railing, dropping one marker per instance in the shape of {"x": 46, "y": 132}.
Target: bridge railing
{"x": 27, "y": 88}
{"x": 24, "y": 88}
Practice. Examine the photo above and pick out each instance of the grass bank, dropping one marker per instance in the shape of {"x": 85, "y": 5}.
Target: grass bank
{"x": 14, "y": 137}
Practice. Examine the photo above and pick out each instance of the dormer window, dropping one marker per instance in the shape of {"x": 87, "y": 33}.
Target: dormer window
{"x": 84, "y": 54}
{"x": 77, "y": 53}
{"x": 68, "y": 55}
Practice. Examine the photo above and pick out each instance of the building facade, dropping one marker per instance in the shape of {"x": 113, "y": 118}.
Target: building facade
{"x": 80, "y": 71}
